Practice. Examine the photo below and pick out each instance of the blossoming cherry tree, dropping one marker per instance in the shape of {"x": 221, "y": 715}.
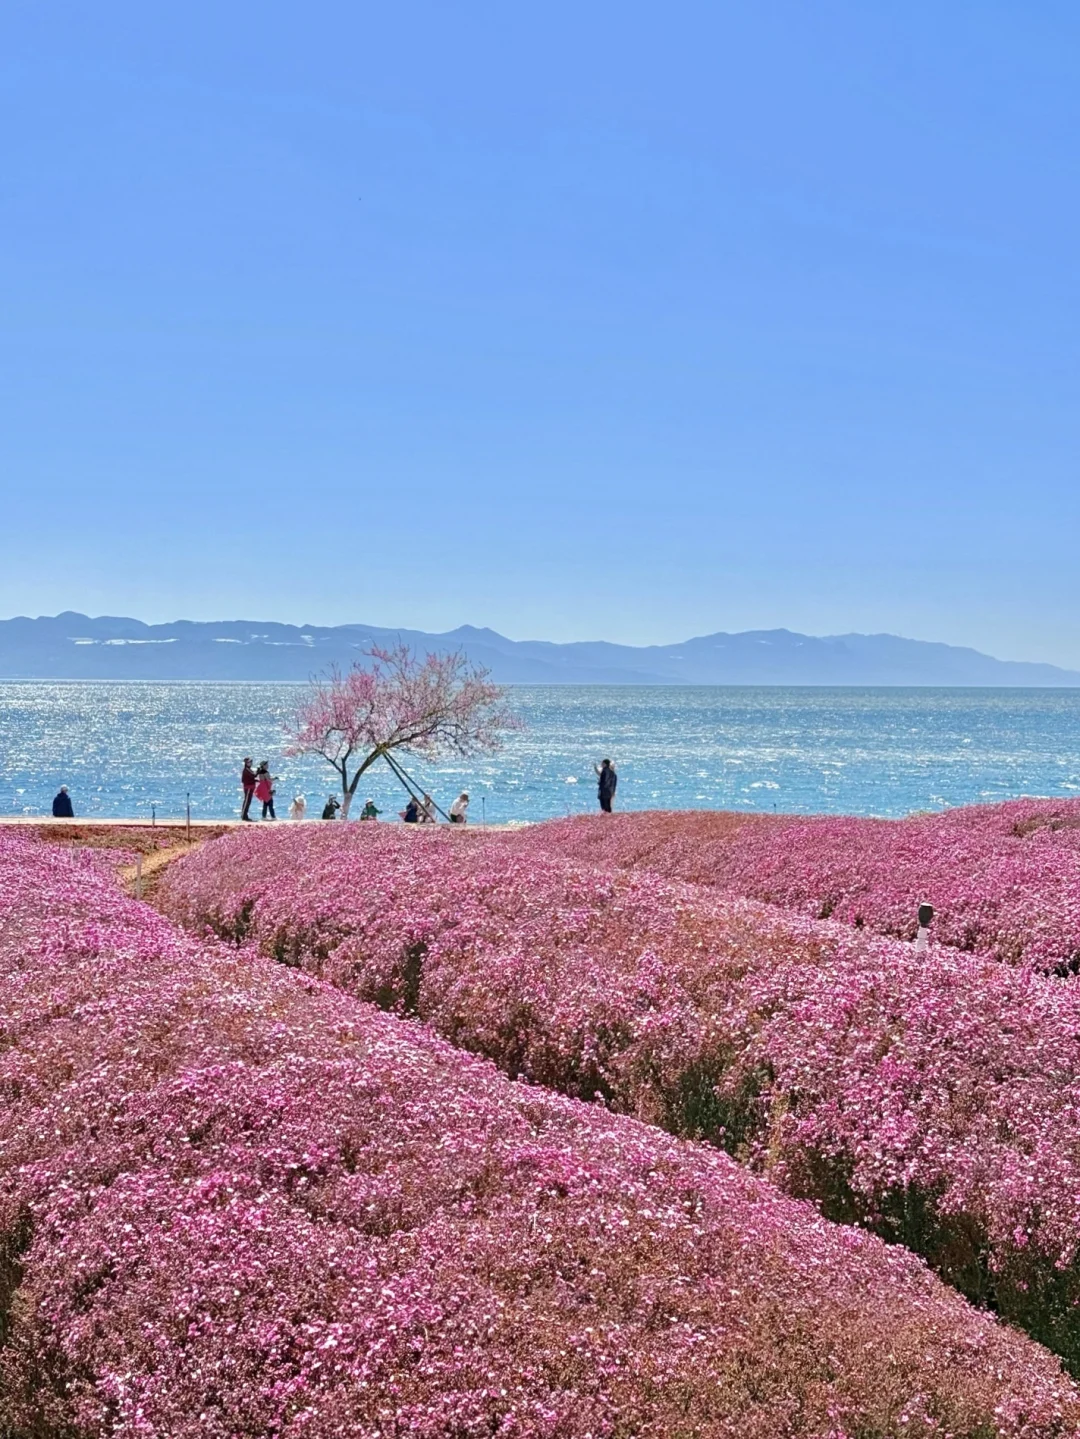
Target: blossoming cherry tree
{"x": 441, "y": 704}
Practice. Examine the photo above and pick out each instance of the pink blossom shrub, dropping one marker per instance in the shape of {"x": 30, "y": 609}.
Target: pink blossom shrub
{"x": 934, "y": 1100}
{"x": 1004, "y": 879}
{"x": 236, "y": 1201}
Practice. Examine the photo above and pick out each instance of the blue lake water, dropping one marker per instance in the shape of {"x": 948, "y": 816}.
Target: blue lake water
{"x": 122, "y": 748}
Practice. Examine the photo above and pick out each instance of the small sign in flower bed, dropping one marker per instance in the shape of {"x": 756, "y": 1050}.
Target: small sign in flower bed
{"x": 1004, "y": 879}
{"x": 237, "y": 1201}
{"x": 933, "y": 1099}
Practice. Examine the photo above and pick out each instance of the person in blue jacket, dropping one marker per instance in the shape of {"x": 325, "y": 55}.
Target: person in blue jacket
{"x": 61, "y": 805}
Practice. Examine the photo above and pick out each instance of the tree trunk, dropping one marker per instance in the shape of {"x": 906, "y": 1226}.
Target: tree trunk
{"x": 346, "y": 793}
{"x": 348, "y": 790}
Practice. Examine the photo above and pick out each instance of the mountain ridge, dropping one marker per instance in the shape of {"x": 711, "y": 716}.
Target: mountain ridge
{"x": 75, "y": 646}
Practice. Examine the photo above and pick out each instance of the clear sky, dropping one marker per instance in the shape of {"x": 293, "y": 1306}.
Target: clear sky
{"x": 605, "y": 320}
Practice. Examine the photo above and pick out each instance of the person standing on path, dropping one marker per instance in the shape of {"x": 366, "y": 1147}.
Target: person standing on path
{"x": 607, "y": 781}
{"x": 247, "y": 783}
{"x": 331, "y": 807}
{"x": 369, "y": 811}
{"x": 61, "y": 805}
{"x": 264, "y": 790}
{"x": 298, "y": 809}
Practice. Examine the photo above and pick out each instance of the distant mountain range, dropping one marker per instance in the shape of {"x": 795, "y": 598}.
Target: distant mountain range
{"x": 73, "y": 646}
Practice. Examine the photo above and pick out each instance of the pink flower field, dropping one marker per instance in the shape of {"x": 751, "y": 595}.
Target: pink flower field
{"x": 933, "y": 1100}
{"x": 235, "y": 1200}
{"x": 1004, "y": 879}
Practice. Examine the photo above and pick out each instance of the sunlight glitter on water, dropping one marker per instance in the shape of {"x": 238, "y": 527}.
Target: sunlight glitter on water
{"x": 122, "y": 748}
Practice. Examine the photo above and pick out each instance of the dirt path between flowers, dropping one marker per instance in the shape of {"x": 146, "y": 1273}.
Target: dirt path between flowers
{"x": 152, "y": 848}
{"x": 158, "y": 845}
{"x": 142, "y": 882}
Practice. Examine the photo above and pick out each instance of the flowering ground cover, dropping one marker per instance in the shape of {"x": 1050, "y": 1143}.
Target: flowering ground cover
{"x": 236, "y": 1201}
{"x": 934, "y": 1100}
{"x": 1004, "y": 879}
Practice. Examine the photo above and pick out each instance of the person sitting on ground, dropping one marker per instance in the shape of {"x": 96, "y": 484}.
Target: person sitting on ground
{"x": 369, "y": 811}
{"x": 61, "y": 805}
{"x": 607, "y": 781}
{"x": 331, "y": 807}
{"x": 298, "y": 808}
{"x": 427, "y": 810}
{"x": 459, "y": 809}
{"x": 411, "y": 813}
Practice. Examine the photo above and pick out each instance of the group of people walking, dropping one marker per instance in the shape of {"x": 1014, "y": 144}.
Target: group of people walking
{"x": 258, "y": 785}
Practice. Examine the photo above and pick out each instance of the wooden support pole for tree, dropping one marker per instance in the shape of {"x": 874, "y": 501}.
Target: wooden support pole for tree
{"x": 409, "y": 783}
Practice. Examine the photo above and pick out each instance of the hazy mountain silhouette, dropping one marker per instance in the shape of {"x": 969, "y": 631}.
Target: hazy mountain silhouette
{"x": 73, "y": 646}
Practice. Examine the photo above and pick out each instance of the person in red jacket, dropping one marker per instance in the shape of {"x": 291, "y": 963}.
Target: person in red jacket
{"x": 247, "y": 782}
{"x": 264, "y": 790}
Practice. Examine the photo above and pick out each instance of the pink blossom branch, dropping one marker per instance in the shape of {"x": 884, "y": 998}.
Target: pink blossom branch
{"x": 440, "y": 704}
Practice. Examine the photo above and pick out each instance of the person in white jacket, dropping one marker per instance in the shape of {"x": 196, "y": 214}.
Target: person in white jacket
{"x": 459, "y": 809}
{"x": 298, "y": 808}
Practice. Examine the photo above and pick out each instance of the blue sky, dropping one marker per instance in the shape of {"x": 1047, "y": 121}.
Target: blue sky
{"x": 606, "y": 320}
